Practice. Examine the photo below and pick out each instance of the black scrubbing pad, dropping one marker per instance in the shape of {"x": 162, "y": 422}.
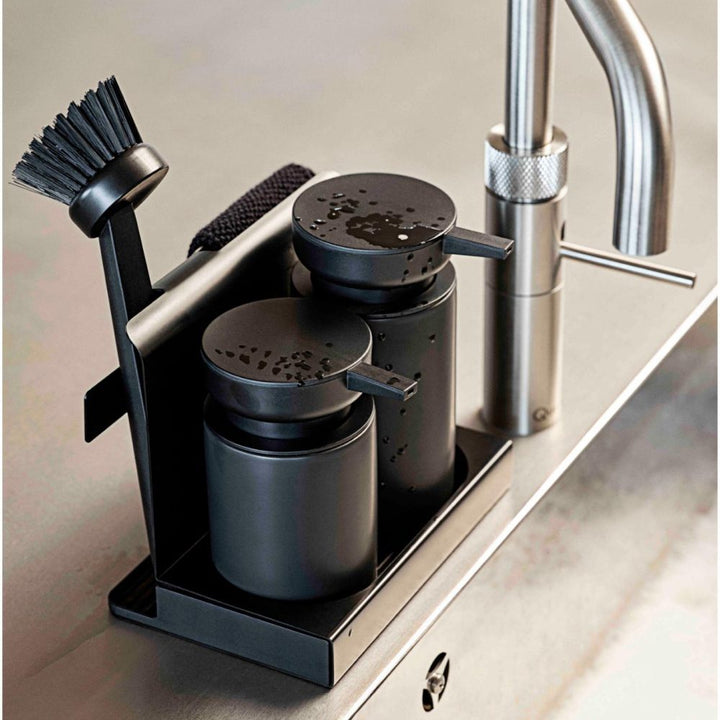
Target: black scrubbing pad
{"x": 250, "y": 207}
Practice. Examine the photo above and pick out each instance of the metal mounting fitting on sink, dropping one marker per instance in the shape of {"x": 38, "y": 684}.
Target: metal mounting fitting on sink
{"x": 525, "y": 178}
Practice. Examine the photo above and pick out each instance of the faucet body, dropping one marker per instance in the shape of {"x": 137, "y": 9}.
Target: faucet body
{"x": 526, "y": 188}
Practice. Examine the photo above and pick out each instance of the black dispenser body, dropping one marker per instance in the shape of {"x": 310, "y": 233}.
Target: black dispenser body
{"x": 416, "y": 441}
{"x": 289, "y": 519}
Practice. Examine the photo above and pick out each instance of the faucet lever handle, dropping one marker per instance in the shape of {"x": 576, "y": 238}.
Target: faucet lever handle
{"x": 615, "y": 261}
{"x": 461, "y": 241}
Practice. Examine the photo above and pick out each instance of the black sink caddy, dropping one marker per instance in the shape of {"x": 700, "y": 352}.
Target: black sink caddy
{"x": 177, "y": 589}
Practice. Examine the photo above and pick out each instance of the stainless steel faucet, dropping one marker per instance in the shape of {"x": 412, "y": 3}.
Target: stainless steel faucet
{"x": 525, "y": 178}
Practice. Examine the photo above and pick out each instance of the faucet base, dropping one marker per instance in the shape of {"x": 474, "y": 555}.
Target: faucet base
{"x": 523, "y": 295}
{"x": 523, "y": 338}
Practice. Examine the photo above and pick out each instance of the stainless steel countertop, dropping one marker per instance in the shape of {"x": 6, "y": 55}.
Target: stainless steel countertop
{"x": 530, "y": 631}
{"x": 227, "y": 94}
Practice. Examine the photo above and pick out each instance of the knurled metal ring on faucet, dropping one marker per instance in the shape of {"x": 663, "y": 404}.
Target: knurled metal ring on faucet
{"x": 525, "y": 175}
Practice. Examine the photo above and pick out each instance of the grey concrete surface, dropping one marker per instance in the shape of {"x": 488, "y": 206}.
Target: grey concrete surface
{"x": 227, "y": 92}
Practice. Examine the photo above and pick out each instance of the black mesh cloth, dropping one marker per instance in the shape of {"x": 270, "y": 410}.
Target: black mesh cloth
{"x": 250, "y": 207}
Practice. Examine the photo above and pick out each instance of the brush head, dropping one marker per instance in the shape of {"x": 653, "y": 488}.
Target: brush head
{"x": 92, "y": 159}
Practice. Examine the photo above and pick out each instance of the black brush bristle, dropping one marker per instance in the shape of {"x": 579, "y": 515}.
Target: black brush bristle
{"x": 77, "y": 145}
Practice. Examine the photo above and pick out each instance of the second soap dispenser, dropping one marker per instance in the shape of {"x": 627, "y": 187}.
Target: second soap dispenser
{"x": 379, "y": 245}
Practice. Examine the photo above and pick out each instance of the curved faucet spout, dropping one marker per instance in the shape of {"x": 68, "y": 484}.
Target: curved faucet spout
{"x": 642, "y": 122}
{"x": 640, "y": 97}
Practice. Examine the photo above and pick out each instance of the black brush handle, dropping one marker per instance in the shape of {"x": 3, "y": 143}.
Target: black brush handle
{"x": 130, "y": 291}
{"x": 126, "y": 271}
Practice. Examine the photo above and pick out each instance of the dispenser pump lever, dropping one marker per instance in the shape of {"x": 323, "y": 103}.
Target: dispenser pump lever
{"x": 377, "y": 381}
{"x": 461, "y": 241}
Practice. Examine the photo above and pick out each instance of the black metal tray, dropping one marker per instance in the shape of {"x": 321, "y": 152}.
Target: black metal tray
{"x": 316, "y": 641}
